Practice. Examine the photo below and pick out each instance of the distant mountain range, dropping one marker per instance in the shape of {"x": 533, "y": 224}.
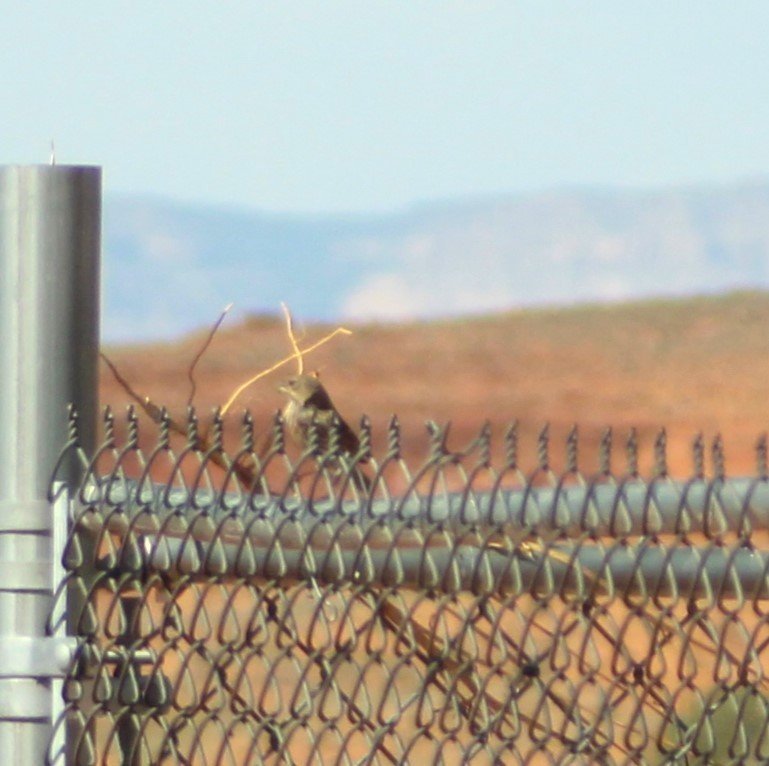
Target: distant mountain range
{"x": 170, "y": 267}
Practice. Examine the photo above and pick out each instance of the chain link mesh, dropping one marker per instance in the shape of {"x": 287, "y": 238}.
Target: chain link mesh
{"x": 246, "y": 606}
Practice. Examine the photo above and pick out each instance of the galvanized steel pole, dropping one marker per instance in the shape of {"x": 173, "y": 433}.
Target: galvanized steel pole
{"x": 50, "y": 222}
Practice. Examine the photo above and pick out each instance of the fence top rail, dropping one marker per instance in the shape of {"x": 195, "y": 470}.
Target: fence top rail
{"x": 710, "y": 507}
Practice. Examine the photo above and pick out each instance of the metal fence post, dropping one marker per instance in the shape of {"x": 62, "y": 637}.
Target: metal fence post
{"x": 50, "y": 221}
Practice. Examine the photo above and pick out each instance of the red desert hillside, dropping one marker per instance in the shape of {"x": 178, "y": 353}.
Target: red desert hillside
{"x": 690, "y": 365}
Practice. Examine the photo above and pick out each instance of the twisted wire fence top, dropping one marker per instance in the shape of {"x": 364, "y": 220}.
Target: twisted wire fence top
{"x": 254, "y": 604}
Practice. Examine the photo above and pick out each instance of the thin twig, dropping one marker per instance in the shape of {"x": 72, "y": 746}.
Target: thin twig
{"x": 217, "y": 324}
{"x": 239, "y": 390}
{"x": 292, "y": 338}
{"x": 151, "y": 410}
{"x": 244, "y": 472}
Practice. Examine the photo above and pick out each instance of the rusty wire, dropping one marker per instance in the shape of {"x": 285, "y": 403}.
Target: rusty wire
{"x": 246, "y": 607}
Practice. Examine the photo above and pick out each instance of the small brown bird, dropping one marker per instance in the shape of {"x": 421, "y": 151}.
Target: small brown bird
{"x": 308, "y": 404}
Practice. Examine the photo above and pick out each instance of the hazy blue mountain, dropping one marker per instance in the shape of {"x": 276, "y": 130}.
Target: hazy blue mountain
{"x": 170, "y": 267}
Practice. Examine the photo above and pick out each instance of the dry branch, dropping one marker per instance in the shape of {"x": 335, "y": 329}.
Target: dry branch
{"x": 245, "y": 473}
{"x": 292, "y": 338}
{"x": 199, "y": 355}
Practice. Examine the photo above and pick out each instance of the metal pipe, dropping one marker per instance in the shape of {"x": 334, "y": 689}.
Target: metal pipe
{"x": 50, "y": 231}
{"x": 710, "y": 507}
{"x": 676, "y": 537}
{"x": 579, "y": 569}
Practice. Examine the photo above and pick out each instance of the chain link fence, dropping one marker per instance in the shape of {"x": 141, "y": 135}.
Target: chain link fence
{"x": 253, "y": 606}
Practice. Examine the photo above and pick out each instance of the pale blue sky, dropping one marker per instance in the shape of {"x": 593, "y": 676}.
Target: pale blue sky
{"x": 355, "y": 106}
